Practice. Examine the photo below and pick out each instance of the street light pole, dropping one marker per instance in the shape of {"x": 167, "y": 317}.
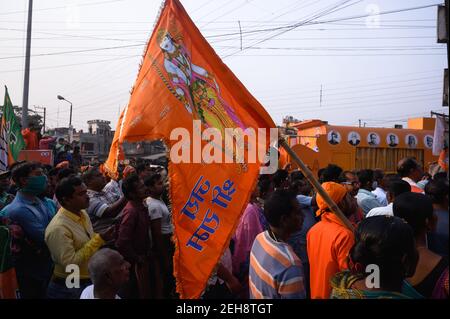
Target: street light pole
{"x": 70, "y": 118}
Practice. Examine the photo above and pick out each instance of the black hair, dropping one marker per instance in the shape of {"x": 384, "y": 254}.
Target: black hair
{"x": 278, "y": 204}
{"x": 264, "y": 186}
{"x": 280, "y": 176}
{"x": 301, "y": 187}
{"x": 23, "y": 170}
{"x": 437, "y": 190}
{"x": 152, "y": 179}
{"x": 365, "y": 176}
{"x": 320, "y": 174}
{"x": 89, "y": 174}
{"x": 129, "y": 186}
{"x": 66, "y": 187}
{"x": 141, "y": 168}
{"x": 65, "y": 172}
{"x": 343, "y": 176}
{"x": 11, "y": 167}
{"x": 296, "y": 175}
{"x": 53, "y": 172}
{"x": 440, "y": 175}
{"x": 415, "y": 208}
{"x": 331, "y": 173}
{"x": 388, "y": 242}
{"x": 406, "y": 165}
{"x": 398, "y": 187}
{"x": 295, "y": 186}
{"x": 378, "y": 175}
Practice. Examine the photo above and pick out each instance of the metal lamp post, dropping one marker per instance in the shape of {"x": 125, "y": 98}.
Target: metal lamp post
{"x": 70, "y": 119}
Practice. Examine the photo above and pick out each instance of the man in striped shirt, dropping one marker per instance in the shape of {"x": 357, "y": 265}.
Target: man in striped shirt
{"x": 275, "y": 271}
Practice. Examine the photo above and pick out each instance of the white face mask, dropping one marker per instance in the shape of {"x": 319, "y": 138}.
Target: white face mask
{"x": 374, "y": 185}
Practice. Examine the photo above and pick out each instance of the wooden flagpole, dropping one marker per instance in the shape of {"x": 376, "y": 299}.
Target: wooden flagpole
{"x": 315, "y": 183}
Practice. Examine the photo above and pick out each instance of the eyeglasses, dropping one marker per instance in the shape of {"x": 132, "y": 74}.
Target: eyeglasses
{"x": 350, "y": 183}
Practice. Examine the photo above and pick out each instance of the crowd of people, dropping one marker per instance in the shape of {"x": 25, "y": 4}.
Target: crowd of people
{"x": 117, "y": 231}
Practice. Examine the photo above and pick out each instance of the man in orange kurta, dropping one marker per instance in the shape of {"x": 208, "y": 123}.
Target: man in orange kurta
{"x": 329, "y": 241}
{"x": 30, "y": 135}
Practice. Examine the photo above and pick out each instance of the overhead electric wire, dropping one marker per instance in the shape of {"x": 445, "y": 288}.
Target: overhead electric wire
{"x": 340, "y": 93}
{"x": 62, "y": 7}
{"x": 319, "y": 22}
{"x": 310, "y": 18}
{"x": 359, "y": 99}
{"x": 318, "y": 109}
{"x": 294, "y": 26}
{"x": 338, "y": 106}
{"x": 291, "y": 8}
{"x": 68, "y": 65}
{"x": 75, "y": 51}
{"x": 71, "y": 35}
{"x": 371, "y": 84}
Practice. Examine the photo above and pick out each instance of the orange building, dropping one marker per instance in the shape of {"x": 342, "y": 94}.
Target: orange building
{"x": 318, "y": 144}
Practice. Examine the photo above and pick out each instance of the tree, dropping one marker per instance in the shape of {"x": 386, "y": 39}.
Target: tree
{"x": 34, "y": 118}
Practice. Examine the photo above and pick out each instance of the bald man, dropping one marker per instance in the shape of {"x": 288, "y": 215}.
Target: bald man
{"x": 109, "y": 271}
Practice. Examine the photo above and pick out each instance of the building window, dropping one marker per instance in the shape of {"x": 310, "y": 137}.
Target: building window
{"x": 87, "y": 147}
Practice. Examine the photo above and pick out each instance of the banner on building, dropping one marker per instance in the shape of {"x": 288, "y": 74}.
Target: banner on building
{"x": 440, "y": 137}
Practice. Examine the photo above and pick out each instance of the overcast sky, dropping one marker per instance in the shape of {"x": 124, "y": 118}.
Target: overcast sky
{"x": 380, "y": 69}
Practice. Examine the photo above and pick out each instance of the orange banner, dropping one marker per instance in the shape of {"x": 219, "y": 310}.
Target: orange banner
{"x": 182, "y": 79}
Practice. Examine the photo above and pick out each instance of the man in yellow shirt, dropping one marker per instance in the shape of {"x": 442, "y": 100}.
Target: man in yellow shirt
{"x": 72, "y": 241}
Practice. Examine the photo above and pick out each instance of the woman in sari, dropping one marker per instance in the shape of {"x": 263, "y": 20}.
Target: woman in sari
{"x": 383, "y": 256}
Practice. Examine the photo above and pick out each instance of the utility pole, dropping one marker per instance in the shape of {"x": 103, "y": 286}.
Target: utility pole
{"x": 240, "y": 32}
{"x": 447, "y": 8}
{"x": 443, "y": 34}
{"x": 26, "y": 81}
{"x": 320, "y": 95}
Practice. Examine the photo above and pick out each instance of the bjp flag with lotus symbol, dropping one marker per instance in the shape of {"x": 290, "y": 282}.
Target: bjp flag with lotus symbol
{"x": 186, "y": 96}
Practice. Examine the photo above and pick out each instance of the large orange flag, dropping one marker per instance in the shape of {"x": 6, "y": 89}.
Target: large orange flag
{"x": 181, "y": 80}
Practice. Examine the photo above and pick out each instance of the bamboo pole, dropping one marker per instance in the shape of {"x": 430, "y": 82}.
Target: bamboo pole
{"x": 315, "y": 183}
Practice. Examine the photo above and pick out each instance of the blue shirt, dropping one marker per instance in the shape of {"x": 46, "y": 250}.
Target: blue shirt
{"x": 298, "y": 239}
{"x": 32, "y": 216}
{"x": 367, "y": 200}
